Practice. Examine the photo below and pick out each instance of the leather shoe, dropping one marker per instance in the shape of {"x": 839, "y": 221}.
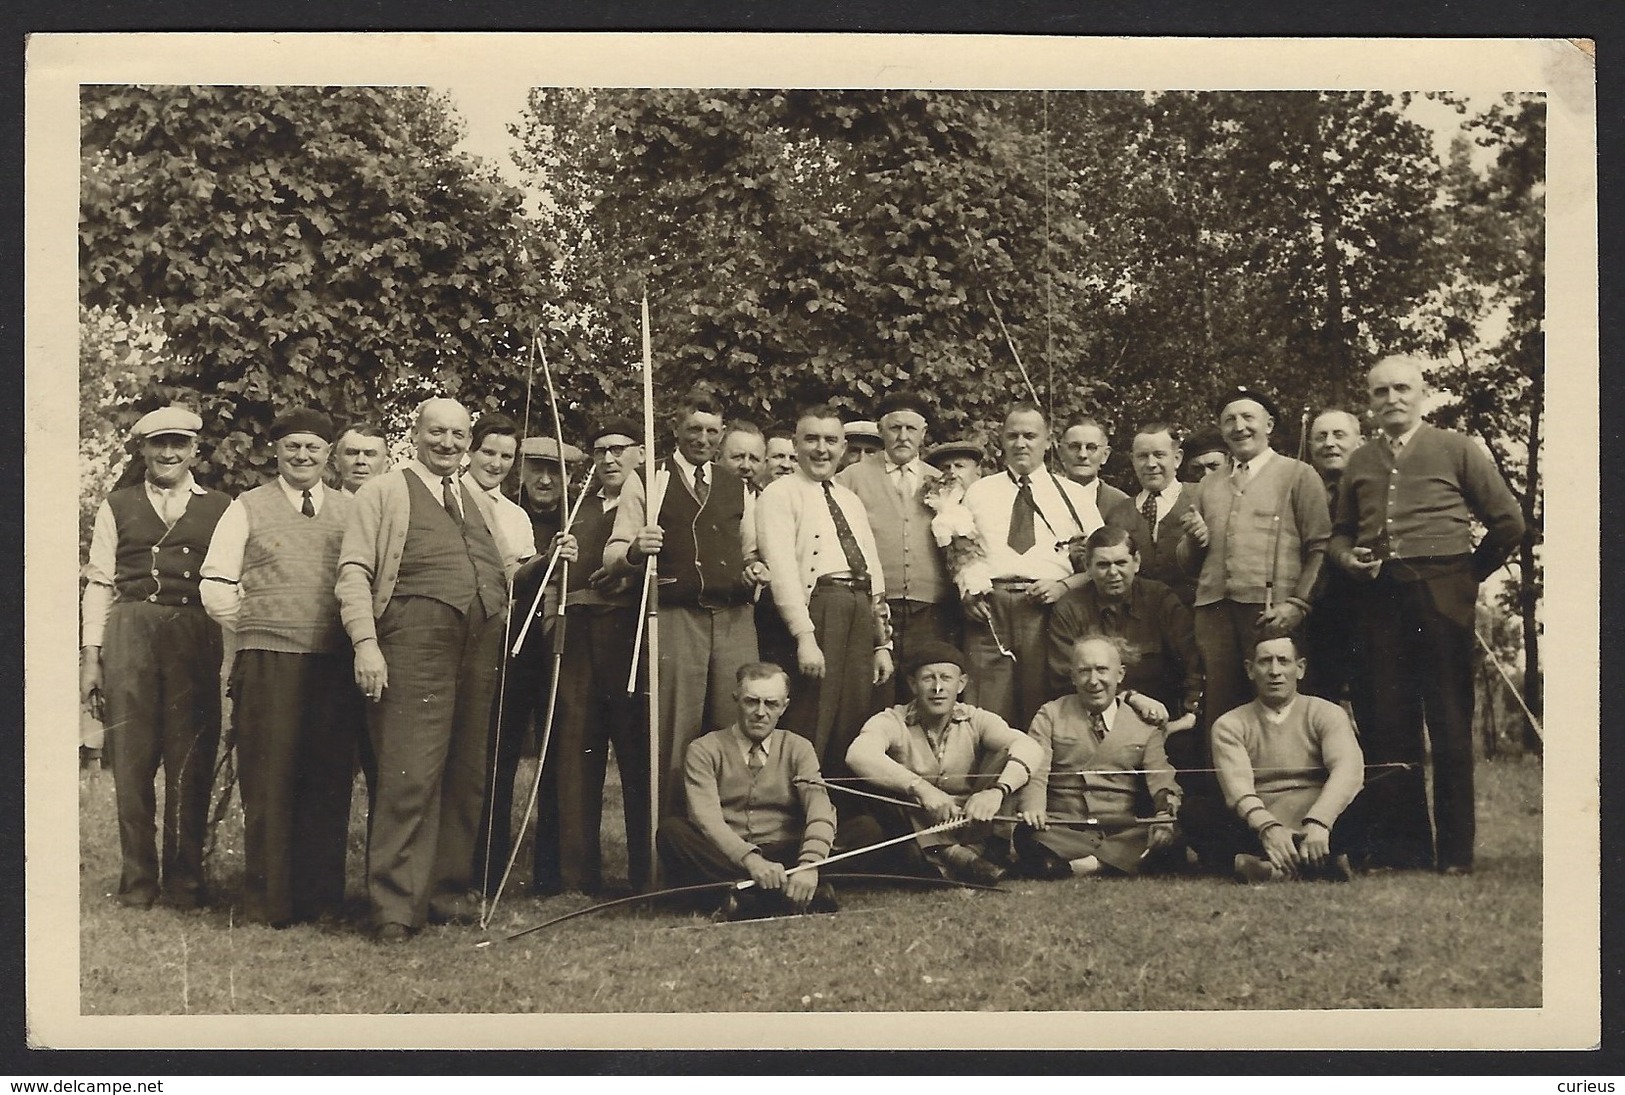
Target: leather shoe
{"x": 139, "y": 898}
{"x": 957, "y": 863}
{"x": 823, "y": 900}
{"x": 185, "y": 900}
{"x": 1456, "y": 870}
{"x": 392, "y": 933}
{"x": 1254, "y": 871}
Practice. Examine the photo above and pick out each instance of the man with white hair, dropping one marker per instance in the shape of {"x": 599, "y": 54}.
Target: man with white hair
{"x": 1406, "y": 506}
{"x": 422, "y": 592}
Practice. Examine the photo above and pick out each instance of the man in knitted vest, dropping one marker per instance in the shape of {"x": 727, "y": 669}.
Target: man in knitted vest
{"x": 157, "y": 687}
{"x": 1404, "y": 533}
{"x": 920, "y": 595}
{"x": 756, "y": 807}
{"x": 1289, "y": 767}
{"x": 269, "y": 578}
{"x": 422, "y": 592}
{"x": 1257, "y": 536}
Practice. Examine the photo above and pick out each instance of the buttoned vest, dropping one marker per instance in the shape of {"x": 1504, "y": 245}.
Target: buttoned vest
{"x": 160, "y": 563}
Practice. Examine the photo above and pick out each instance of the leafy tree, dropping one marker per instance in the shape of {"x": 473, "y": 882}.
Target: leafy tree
{"x": 308, "y": 245}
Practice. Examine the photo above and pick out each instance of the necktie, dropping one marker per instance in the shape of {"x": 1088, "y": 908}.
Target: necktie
{"x": 1022, "y": 512}
{"x": 1097, "y": 726}
{"x": 903, "y": 481}
{"x": 843, "y": 533}
{"x": 1240, "y": 479}
{"x": 306, "y": 506}
{"x": 702, "y": 489}
{"x": 756, "y": 759}
{"x": 1108, "y": 619}
{"x": 1148, "y": 509}
{"x": 448, "y": 495}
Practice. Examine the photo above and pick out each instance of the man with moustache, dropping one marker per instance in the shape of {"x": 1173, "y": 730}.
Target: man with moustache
{"x": 919, "y": 592}
{"x": 268, "y": 578}
{"x": 1406, "y": 505}
{"x": 1257, "y": 535}
{"x": 704, "y": 537}
{"x": 744, "y": 449}
{"x": 1100, "y": 762}
{"x": 150, "y": 658}
{"x": 361, "y": 453}
{"x": 953, "y": 759}
{"x": 422, "y": 593}
{"x": 595, "y": 714}
{"x": 1084, "y": 452}
{"x": 1156, "y": 515}
{"x": 756, "y": 808}
{"x": 1026, "y": 517}
{"x": 830, "y": 589}
{"x": 1331, "y": 633}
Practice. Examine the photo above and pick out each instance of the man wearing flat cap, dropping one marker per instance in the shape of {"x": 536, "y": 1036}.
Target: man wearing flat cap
{"x": 269, "y": 578}
{"x": 422, "y": 592}
{"x": 1256, "y": 536}
{"x": 953, "y": 760}
{"x": 150, "y": 657}
{"x": 523, "y": 686}
{"x": 961, "y": 459}
{"x": 891, "y": 485}
{"x": 862, "y": 439}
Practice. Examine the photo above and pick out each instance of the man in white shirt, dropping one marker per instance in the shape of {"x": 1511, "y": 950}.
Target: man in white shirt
{"x": 705, "y": 540}
{"x": 830, "y": 589}
{"x": 1026, "y": 517}
{"x": 296, "y": 714}
{"x": 150, "y": 657}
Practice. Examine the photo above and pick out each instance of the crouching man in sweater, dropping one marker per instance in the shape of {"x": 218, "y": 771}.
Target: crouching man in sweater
{"x": 756, "y": 808}
{"x": 1289, "y": 766}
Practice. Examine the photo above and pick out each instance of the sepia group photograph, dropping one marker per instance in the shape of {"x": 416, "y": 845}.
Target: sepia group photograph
{"x": 817, "y": 541}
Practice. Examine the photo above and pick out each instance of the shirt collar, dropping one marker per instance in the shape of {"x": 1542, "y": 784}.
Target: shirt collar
{"x": 189, "y": 485}
{"x": 1404, "y": 438}
{"x": 1255, "y": 463}
{"x": 960, "y": 713}
{"x": 1169, "y": 495}
{"x": 898, "y": 469}
{"x": 1276, "y": 718}
{"x": 682, "y": 462}
{"x": 743, "y": 741}
{"x": 317, "y": 493}
{"x": 1129, "y": 604}
{"x": 429, "y": 478}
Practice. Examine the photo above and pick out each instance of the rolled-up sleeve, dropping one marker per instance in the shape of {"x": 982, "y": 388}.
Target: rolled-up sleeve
{"x": 99, "y": 570}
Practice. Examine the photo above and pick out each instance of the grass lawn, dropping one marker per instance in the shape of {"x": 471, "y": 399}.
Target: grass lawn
{"x": 1386, "y": 941}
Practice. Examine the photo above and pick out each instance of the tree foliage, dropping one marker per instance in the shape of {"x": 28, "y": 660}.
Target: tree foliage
{"x": 300, "y": 245}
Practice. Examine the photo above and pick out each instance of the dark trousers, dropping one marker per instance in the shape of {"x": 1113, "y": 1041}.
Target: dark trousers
{"x": 161, "y": 679}
{"x": 828, "y": 712}
{"x": 1224, "y": 636}
{"x": 1334, "y": 644}
{"x": 1013, "y": 690}
{"x": 429, "y": 732}
{"x": 689, "y": 858}
{"x": 915, "y": 623}
{"x": 294, "y": 719}
{"x": 1217, "y": 833}
{"x": 520, "y": 697}
{"x": 594, "y": 715}
{"x": 1419, "y": 640}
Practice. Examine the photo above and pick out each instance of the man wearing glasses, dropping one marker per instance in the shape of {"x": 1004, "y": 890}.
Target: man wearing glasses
{"x": 1083, "y": 453}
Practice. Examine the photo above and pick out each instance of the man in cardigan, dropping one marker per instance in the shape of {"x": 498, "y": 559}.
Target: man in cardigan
{"x": 830, "y": 590}
{"x": 157, "y": 688}
{"x": 705, "y": 539}
{"x": 1026, "y": 517}
{"x": 1258, "y": 535}
{"x": 594, "y": 712}
{"x": 422, "y": 592}
{"x": 269, "y": 579}
{"x": 1083, "y": 453}
{"x": 1289, "y": 767}
{"x": 1101, "y": 762}
{"x": 1156, "y": 514}
{"x": 756, "y": 808}
{"x": 919, "y": 592}
{"x": 1406, "y": 503}
{"x": 952, "y": 759}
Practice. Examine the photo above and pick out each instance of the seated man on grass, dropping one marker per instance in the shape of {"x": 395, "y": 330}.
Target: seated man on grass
{"x": 756, "y": 808}
{"x": 952, "y": 759}
{"x": 1288, "y": 766}
{"x": 1101, "y": 763}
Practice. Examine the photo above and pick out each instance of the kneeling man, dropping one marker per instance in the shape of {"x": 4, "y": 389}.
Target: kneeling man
{"x": 756, "y": 806}
{"x": 953, "y": 759}
{"x": 1101, "y": 761}
{"x": 1289, "y": 766}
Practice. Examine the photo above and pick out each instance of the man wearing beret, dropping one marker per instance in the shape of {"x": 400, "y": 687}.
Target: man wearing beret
{"x": 890, "y": 484}
{"x": 595, "y": 714}
{"x": 422, "y": 592}
{"x": 268, "y": 578}
{"x": 1205, "y": 451}
{"x": 953, "y": 760}
{"x": 1404, "y": 534}
{"x": 1257, "y": 536}
{"x": 157, "y": 686}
